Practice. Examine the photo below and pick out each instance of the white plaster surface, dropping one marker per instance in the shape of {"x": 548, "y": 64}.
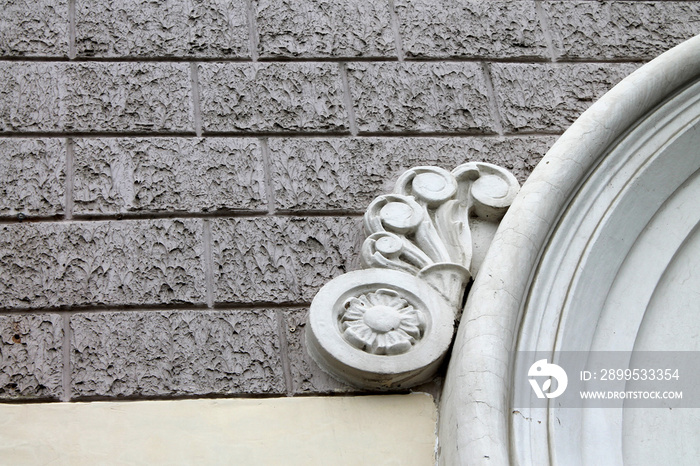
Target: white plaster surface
{"x": 605, "y": 259}
{"x": 657, "y": 436}
{"x": 389, "y": 430}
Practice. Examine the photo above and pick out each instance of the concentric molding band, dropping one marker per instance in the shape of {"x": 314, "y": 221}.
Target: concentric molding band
{"x": 477, "y": 422}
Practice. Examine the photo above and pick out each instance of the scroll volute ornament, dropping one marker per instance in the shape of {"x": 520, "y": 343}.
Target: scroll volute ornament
{"x": 390, "y": 324}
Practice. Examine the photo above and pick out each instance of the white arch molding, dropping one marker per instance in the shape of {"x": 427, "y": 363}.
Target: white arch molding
{"x": 599, "y": 251}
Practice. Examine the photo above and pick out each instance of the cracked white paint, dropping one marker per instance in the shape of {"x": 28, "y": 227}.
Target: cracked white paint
{"x": 476, "y": 418}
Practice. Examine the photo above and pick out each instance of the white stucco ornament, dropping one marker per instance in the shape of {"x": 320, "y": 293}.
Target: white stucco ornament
{"x": 391, "y": 324}
{"x": 381, "y": 322}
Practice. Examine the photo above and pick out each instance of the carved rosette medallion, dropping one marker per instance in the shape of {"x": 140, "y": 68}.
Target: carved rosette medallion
{"x": 381, "y": 322}
{"x": 391, "y": 324}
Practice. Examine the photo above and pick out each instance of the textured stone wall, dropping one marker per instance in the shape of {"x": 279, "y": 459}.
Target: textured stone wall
{"x": 178, "y": 179}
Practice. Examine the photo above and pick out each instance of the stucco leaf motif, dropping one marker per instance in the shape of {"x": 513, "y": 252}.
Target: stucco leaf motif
{"x": 425, "y": 227}
{"x": 390, "y": 324}
{"x": 381, "y": 322}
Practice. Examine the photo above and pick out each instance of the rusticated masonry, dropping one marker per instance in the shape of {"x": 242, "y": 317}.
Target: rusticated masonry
{"x": 178, "y": 182}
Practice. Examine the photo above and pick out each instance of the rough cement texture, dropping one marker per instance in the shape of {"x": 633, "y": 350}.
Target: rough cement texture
{"x": 620, "y": 30}
{"x": 128, "y": 97}
{"x": 116, "y": 214}
{"x": 215, "y": 28}
{"x": 34, "y": 28}
{"x": 469, "y": 28}
{"x": 31, "y": 356}
{"x": 30, "y": 97}
{"x": 89, "y": 263}
{"x": 348, "y": 173}
{"x": 307, "y": 377}
{"x": 161, "y": 353}
{"x": 33, "y": 177}
{"x": 272, "y": 97}
{"x": 323, "y": 28}
{"x": 428, "y": 97}
{"x": 103, "y": 97}
{"x": 168, "y": 174}
{"x": 562, "y": 93}
{"x": 281, "y": 260}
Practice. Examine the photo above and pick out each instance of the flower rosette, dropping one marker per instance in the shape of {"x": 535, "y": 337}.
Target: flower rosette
{"x": 381, "y": 322}
{"x": 379, "y": 328}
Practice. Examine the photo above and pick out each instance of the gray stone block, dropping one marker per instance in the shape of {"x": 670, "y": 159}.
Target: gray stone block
{"x": 158, "y": 353}
{"x": 34, "y": 28}
{"x": 470, "y": 28}
{"x": 426, "y": 97}
{"x": 620, "y": 30}
{"x": 33, "y": 176}
{"x": 549, "y": 97}
{"x": 31, "y": 356}
{"x": 168, "y": 174}
{"x": 272, "y": 97}
{"x": 307, "y": 377}
{"x": 129, "y": 97}
{"x": 348, "y": 173}
{"x": 31, "y": 96}
{"x": 281, "y": 259}
{"x": 90, "y": 263}
{"x": 323, "y": 28}
{"x": 95, "y": 97}
{"x": 215, "y": 28}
